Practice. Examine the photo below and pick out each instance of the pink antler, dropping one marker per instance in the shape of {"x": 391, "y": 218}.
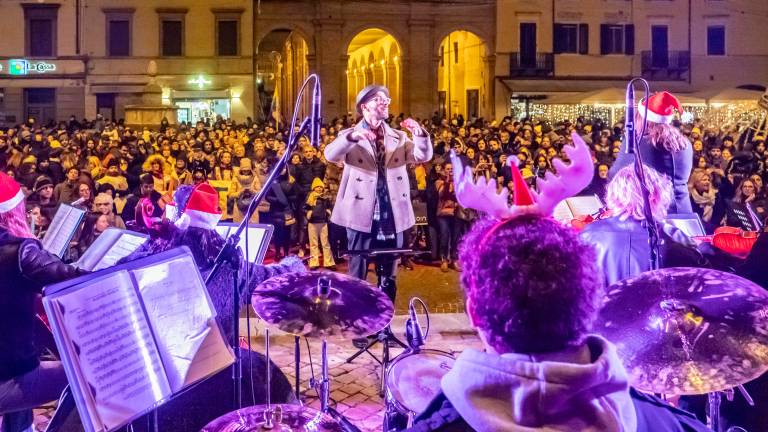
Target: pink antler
{"x": 569, "y": 180}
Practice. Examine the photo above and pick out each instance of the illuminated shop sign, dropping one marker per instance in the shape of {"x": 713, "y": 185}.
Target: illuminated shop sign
{"x": 24, "y": 67}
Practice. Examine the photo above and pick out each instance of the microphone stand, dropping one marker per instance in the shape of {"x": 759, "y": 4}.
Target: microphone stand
{"x": 228, "y": 252}
{"x": 653, "y": 230}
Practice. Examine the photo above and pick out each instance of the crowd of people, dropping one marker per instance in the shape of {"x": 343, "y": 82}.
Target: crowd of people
{"x": 108, "y": 168}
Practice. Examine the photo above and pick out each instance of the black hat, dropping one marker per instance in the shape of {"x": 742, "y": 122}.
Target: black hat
{"x": 42, "y": 182}
{"x": 113, "y": 162}
{"x": 368, "y": 93}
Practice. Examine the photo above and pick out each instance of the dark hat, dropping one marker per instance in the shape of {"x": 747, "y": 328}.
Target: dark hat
{"x": 368, "y": 93}
{"x": 113, "y": 162}
{"x": 42, "y": 182}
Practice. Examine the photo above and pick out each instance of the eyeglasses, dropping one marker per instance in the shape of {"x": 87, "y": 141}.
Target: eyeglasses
{"x": 382, "y": 100}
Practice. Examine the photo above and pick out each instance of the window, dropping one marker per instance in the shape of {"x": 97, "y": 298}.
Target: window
{"x": 571, "y": 38}
{"x": 617, "y": 39}
{"x": 227, "y": 33}
{"x": 119, "y": 37}
{"x": 716, "y": 40}
{"x": 40, "y": 25}
{"x": 172, "y": 38}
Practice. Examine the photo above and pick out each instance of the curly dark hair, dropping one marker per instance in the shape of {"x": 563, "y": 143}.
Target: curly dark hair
{"x": 532, "y": 284}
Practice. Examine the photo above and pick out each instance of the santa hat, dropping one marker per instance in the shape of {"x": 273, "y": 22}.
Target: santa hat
{"x": 10, "y": 193}
{"x": 202, "y": 209}
{"x": 661, "y": 107}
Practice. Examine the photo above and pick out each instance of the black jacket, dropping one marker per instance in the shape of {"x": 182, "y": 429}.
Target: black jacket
{"x": 25, "y": 268}
{"x": 676, "y": 166}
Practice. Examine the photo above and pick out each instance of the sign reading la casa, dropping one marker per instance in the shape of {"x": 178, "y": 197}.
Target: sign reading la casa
{"x": 26, "y": 67}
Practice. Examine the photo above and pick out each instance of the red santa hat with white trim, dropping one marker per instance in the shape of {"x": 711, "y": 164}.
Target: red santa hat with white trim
{"x": 202, "y": 209}
{"x": 10, "y": 193}
{"x": 661, "y": 107}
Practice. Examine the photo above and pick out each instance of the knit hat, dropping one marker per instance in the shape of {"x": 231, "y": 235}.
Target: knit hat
{"x": 317, "y": 183}
{"x": 245, "y": 164}
{"x": 42, "y": 182}
{"x": 661, "y": 107}
{"x": 368, "y": 93}
{"x": 10, "y": 193}
{"x": 202, "y": 209}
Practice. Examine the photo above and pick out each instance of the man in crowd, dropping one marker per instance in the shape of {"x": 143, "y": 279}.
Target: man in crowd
{"x": 66, "y": 191}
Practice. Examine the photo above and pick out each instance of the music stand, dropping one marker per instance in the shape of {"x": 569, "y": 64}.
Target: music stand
{"x": 384, "y": 336}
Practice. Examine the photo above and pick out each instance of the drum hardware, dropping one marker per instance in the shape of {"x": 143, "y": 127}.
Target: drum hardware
{"x": 385, "y": 284}
{"x": 319, "y": 304}
{"x": 689, "y": 331}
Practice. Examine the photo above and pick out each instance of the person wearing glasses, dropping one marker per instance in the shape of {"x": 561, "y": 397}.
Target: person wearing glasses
{"x": 374, "y": 198}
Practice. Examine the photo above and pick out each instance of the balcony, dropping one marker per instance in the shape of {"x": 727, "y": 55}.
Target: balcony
{"x": 540, "y": 65}
{"x": 676, "y": 66}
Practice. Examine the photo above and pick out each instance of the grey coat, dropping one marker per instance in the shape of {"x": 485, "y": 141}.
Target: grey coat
{"x": 357, "y": 189}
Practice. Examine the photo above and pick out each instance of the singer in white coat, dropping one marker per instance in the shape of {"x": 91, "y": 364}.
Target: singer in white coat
{"x": 374, "y": 200}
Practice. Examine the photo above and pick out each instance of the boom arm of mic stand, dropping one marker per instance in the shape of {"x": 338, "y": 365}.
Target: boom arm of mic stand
{"x": 234, "y": 239}
{"x": 653, "y": 231}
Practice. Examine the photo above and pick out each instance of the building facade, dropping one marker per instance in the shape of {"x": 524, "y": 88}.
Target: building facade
{"x": 83, "y": 57}
{"x": 239, "y": 58}
{"x": 545, "y": 48}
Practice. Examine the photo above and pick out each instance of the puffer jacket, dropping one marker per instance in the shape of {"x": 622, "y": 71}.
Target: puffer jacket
{"x": 25, "y": 268}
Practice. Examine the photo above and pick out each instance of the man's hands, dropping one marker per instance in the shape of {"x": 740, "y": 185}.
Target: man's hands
{"x": 413, "y": 127}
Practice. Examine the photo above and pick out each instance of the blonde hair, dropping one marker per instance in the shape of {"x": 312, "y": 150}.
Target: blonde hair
{"x": 667, "y": 137}
{"x": 15, "y": 221}
{"x": 625, "y": 197}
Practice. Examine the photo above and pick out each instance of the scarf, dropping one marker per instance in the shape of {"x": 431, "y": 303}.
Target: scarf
{"x": 706, "y": 201}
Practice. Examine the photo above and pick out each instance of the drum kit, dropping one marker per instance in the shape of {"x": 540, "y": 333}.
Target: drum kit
{"x": 678, "y": 331}
{"x": 324, "y": 304}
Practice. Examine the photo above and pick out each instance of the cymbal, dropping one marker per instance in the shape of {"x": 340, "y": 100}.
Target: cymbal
{"x": 286, "y": 417}
{"x": 682, "y": 331}
{"x": 292, "y": 303}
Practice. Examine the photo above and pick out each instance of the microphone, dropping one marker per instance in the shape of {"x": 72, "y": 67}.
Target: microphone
{"x": 314, "y": 133}
{"x": 413, "y": 329}
{"x": 629, "y": 120}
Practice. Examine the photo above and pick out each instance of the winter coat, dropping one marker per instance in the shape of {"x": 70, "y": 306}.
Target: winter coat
{"x": 356, "y": 198}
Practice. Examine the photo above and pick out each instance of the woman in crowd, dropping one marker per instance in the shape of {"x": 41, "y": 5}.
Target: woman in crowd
{"x": 446, "y": 219}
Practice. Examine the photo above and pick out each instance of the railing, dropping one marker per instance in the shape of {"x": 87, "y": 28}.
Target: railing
{"x": 538, "y": 65}
{"x": 675, "y": 66}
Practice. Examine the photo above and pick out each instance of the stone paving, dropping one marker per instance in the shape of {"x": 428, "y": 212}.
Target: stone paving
{"x": 354, "y": 386}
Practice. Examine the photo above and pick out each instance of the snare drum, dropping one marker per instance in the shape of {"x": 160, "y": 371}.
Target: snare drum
{"x": 413, "y": 380}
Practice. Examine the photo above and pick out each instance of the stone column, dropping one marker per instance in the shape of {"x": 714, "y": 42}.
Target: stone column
{"x": 330, "y": 66}
{"x": 487, "y": 110}
{"x": 419, "y": 72}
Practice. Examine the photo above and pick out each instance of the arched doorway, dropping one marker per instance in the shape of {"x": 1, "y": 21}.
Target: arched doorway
{"x": 373, "y": 55}
{"x": 281, "y": 68}
{"x": 461, "y": 75}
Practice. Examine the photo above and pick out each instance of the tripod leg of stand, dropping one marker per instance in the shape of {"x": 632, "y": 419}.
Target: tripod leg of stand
{"x": 346, "y": 425}
{"x": 365, "y": 349}
{"x": 384, "y": 361}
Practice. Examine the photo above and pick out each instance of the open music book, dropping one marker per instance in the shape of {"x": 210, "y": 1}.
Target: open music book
{"x": 111, "y": 246}
{"x": 258, "y": 239}
{"x": 63, "y": 226}
{"x": 573, "y": 207}
{"x": 133, "y": 336}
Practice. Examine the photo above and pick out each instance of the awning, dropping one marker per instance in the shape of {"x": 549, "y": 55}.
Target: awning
{"x": 613, "y": 96}
{"x": 730, "y": 95}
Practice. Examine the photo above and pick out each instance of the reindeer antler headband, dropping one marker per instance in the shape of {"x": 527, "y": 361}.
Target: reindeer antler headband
{"x": 482, "y": 196}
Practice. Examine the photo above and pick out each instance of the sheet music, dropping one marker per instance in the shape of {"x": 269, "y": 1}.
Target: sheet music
{"x": 116, "y": 353}
{"x": 257, "y": 235}
{"x": 178, "y": 308}
{"x": 214, "y": 355}
{"x": 111, "y": 246}
{"x": 562, "y": 213}
{"x": 62, "y": 228}
{"x": 584, "y": 205}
